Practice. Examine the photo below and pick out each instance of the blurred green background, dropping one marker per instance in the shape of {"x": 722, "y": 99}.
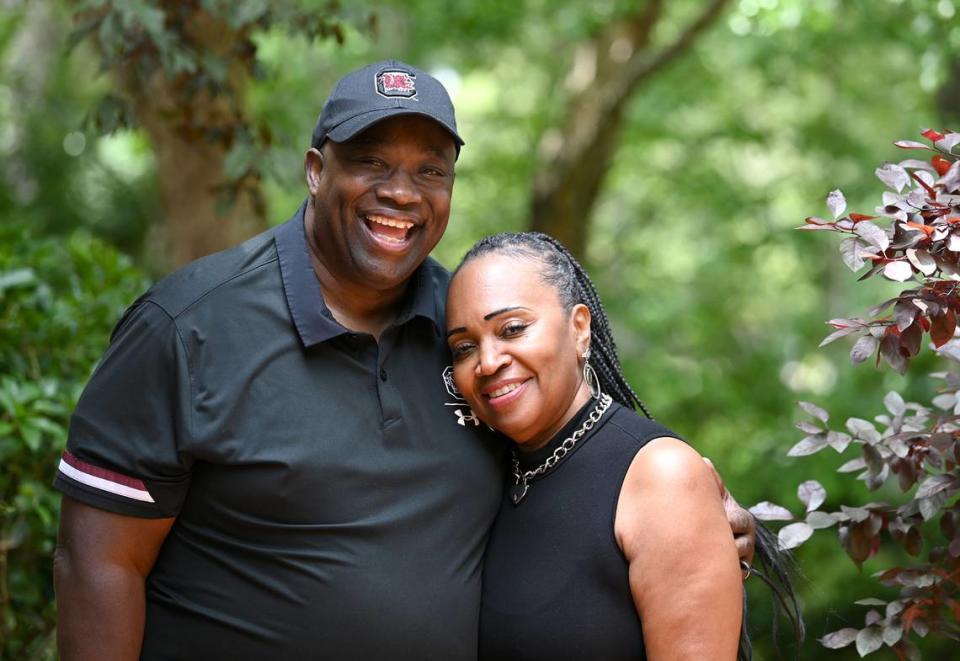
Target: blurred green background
{"x": 700, "y": 173}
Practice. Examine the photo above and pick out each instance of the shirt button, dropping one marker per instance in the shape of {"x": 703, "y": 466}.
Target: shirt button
{"x": 383, "y": 374}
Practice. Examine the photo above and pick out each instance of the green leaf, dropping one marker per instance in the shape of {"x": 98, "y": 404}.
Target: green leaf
{"x": 31, "y": 436}
{"x": 16, "y": 278}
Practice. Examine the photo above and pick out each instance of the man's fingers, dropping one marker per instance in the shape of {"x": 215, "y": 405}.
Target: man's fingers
{"x": 741, "y": 521}
{"x": 745, "y": 547}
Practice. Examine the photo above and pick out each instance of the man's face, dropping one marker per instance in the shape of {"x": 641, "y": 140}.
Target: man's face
{"x": 381, "y": 200}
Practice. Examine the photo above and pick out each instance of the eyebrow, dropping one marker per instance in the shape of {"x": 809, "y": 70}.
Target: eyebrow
{"x": 486, "y": 317}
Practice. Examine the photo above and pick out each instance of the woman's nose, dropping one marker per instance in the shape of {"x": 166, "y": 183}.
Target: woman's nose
{"x": 492, "y": 359}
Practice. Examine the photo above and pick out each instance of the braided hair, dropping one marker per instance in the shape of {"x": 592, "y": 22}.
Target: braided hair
{"x": 570, "y": 280}
{"x": 565, "y": 274}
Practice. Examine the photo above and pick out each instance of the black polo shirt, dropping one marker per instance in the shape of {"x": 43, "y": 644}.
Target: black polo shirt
{"x": 333, "y": 496}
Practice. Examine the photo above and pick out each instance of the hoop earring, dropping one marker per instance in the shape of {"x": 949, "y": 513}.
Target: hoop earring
{"x": 590, "y": 375}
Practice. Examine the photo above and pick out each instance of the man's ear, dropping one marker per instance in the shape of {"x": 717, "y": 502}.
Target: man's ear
{"x": 580, "y": 318}
{"x": 312, "y": 168}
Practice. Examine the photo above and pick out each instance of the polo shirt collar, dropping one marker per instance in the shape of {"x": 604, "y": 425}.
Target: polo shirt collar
{"x": 312, "y": 318}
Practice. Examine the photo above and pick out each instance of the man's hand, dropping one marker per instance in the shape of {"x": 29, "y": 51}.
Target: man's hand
{"x": 741, "y": 521}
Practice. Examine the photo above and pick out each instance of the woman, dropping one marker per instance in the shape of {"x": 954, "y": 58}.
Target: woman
{"x": 608, "y": 516}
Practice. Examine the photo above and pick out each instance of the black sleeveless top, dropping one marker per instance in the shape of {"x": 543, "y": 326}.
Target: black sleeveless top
{"x": 555, "y": 582}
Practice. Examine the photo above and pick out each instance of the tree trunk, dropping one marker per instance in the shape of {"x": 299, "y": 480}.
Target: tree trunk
{"x": 192, "y": 128}
{"x": 574, "y": 157}
{"x": 191, "y": 178}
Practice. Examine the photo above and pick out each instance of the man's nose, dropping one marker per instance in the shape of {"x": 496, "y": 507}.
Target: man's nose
{"x": 399, "y": 187}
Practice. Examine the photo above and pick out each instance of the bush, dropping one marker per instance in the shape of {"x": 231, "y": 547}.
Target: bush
{"x": 59, "y": 298}
{"x": 913, "y": 237}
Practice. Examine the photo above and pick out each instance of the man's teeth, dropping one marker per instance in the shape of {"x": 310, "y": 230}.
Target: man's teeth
{"x": 390, "y": 222}
{"x": 500, "y": 392}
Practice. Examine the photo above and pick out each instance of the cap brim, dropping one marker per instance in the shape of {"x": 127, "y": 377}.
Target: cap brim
{"x": 355, "y": 125}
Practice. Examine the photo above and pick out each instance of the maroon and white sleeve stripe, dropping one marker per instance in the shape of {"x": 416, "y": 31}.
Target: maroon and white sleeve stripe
{"x": 103, "y": 479}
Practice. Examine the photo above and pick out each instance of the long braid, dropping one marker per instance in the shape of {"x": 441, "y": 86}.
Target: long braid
{"x": 574, "y": 285}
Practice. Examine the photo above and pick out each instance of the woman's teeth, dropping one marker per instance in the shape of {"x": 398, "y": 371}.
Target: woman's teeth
{"x": 500, "y": 392}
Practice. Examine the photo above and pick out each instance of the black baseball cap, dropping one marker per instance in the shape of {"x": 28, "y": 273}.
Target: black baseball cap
{"x": 378, "y": 91}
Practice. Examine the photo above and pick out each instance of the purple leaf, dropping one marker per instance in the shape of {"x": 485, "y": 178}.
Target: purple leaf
{"x": 814, "y": 410}
{"x": 890, "y": 351}
{"x": 898, "y": 271}
{"x": 854, "y": 252}
{"x": 838, "y": 639}
{"x": 837, "y": 334}
{"x": 863, "y": 429}
{"x": 873, "y": 615}
{"x": 904, "y": 312}
{"x": 951, "y": 180}
{"x": 948, "y": 142}
{"x": 877, "y": 309}
{"x": 767, "y": 511}
{"x": 872, "y": 235}
{"x": 856, "y": 514}
{"x": 863, "y": 349}
{"x": 808, "y": 427}
{"x": 853, "y": 465}
{"x": 933, "y": 484}
{"x": 892, "y": 633}
{"x": 953, "y": 243}
{"x": 916, "y": 164}
{"x": 838, "y": 440}
{"x": 819, "y": 520}
{"x": 922, "y": 260}
{"x": 812, "y": 494}
{"x": 945, "y": 401}
{"x": 893, "y": 176}
{"x": 837, "y": 203}
{"x": 894, "y": 403}
{"x": 794, "y": 535}
{"x": 929, "y": 507}
{"x": 911, "y": 144}
{"x": 809, "y": 445}
{"x": 869, "y": 640}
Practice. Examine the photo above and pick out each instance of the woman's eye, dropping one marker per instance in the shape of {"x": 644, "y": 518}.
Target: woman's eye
{"x": 513, "y": 329}
{"x": 461, "y": 350}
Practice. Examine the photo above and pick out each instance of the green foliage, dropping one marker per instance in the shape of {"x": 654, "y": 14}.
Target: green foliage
{"x": 717, "y": 305}
{"x": 58, "y": 300}
{"x": 202, "y": 51}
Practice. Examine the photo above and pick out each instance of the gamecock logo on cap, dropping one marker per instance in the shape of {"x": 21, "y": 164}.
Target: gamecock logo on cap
{"x": 393, "y": 82}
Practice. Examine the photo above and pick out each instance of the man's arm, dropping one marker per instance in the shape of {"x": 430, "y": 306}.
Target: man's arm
{"x": 99, "y": 569}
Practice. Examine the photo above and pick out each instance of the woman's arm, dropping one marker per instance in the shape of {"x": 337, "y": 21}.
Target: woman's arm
{"x": 684, "y": 573}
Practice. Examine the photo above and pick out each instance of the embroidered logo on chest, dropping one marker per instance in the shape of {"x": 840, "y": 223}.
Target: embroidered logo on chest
{"x": 461, "y": 409}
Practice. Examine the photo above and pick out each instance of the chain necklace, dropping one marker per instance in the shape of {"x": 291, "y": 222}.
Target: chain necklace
{"x": 520, "y": 478}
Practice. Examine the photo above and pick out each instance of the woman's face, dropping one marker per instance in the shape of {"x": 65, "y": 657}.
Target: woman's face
{"x": 516, "y": 350}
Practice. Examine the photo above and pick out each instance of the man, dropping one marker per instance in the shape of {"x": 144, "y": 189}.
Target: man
{"x": 270, "y": 462}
